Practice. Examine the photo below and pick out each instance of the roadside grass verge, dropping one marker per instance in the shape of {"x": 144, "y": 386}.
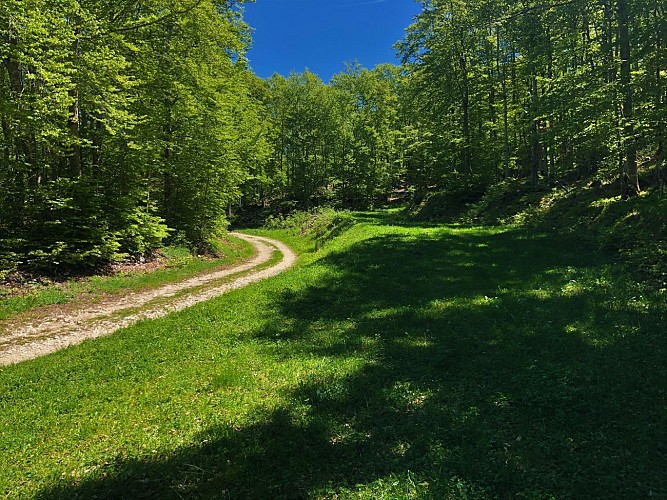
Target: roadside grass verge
{"x": 180, "y": 265}
{"x": 165, "y": 302}
{"x": 399, "y": 361}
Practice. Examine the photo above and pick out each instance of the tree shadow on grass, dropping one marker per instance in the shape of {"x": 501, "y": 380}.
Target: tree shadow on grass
{"x": 497, "y": 365}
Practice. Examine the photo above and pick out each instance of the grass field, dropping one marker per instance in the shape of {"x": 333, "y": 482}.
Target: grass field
{"x": 397, "y": 361}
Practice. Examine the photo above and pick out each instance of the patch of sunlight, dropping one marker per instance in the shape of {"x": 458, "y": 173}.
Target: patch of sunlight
{"x": 338, "y": 439}
{"x": 469, "y": 415}
{"x": 476, "y": 230}
{"x": 407, "y": 396}
{"x": 406, "y": 485}
{"x": 601, "y": 282}
{"x": 548, "y": 199}
{"x": 588, "y": 335}
{"x": 485, "y": 300}
{"x": 370, "y": 341}
{"x": 630, "y": 215}
{"x": 418, "y": 340}
{"x": 596, "y": 342}
{"x": 572, "y": 288}
{"x": 440, "y": 304}
{"x": 400, "y": 448}
{"x": 579, "y": 281}
{"x": 638, "y": 303}
{"x": 603, "y": 202}
{"x": 386, "y": 313}
{"x": 501, "y": 400}
{"x": 539, "y": 293}
{"x": 565, "y": 272}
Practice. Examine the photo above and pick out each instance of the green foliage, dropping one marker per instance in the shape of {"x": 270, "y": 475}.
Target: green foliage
{"x": 332, "y": 144}
{"x": 635, "y": 230}
{"x": 176, "y": 253}
{"x": 142, "y": 231}
{"x": 320, "y": 225}
{"x": 9, "y": 259}
{"x": 117, "y": 123}
{"x": 69, "y": 228}
{"x": 538, "y": 92}
{"x": 447, "y": 204}
{"x": 121, "y": 122}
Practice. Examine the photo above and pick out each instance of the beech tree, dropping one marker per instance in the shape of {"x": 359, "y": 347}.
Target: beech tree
{"x": 543, "y": 90}
{"x": 335, "y": 143}
{"x": 125, "y": 123}
{"x": 122, "y": 122}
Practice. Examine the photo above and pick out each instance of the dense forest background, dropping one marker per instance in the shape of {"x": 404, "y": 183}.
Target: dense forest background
{"x": 129, "y": 123}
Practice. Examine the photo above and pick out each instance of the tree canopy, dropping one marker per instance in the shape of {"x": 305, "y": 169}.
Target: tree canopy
{"x": 126, "y": 123}
{"x": 122, "y": 122}
{"x": 540, "y": 90}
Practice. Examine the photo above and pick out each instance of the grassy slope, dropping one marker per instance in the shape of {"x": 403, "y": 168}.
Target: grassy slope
{"x": 181, "y": 265}
{"x": 398, "y": 360}
{"x": 633, "y": 230}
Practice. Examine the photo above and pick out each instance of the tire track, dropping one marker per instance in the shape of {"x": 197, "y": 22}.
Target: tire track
{"x": 22, "y": 341}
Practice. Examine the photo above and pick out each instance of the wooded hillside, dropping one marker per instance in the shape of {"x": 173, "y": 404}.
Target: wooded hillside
{"x": 125, "y": 122}
{"x": 542, "y": 90}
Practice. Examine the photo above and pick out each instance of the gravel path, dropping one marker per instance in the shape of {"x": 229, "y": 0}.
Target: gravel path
{"x": 21, "y": 341}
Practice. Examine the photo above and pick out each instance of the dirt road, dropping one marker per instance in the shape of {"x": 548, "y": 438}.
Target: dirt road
{"x": 21, "y": 340}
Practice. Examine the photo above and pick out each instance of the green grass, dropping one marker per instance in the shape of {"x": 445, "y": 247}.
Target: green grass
{"x": 397, "y": 361}
{"x": 635, "y": 230}
{"x": 181, "y": 265}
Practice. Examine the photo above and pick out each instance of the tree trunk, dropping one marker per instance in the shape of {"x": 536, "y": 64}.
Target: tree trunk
{"x": 660, "y": 103}
{"x": 534, "y": 133}
{"x": 506, "y": 143}
{"x": 74, "y": 120}
{"x": 629, "y": 177}
{"x": 467, "y": 160}
{"x": 6, "y": 130}
{"x": 73, "y": 125}
{"x": 97, "y": 149}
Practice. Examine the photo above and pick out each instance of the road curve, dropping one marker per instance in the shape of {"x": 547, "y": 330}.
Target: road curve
{"x": 21, "y": 341}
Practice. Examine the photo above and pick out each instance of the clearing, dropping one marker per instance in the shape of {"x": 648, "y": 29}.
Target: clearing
{"x": 399, "y": 360}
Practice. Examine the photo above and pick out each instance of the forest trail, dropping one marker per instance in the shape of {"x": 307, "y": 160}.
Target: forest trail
{"x": 21, "y": 340}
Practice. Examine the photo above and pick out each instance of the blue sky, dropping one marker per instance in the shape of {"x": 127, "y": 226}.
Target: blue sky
{"x": 322, "y": 35}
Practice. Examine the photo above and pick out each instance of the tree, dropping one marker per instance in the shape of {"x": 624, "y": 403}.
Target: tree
{"x": 574, "y": 99}
{"x": 116, "y": 117}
